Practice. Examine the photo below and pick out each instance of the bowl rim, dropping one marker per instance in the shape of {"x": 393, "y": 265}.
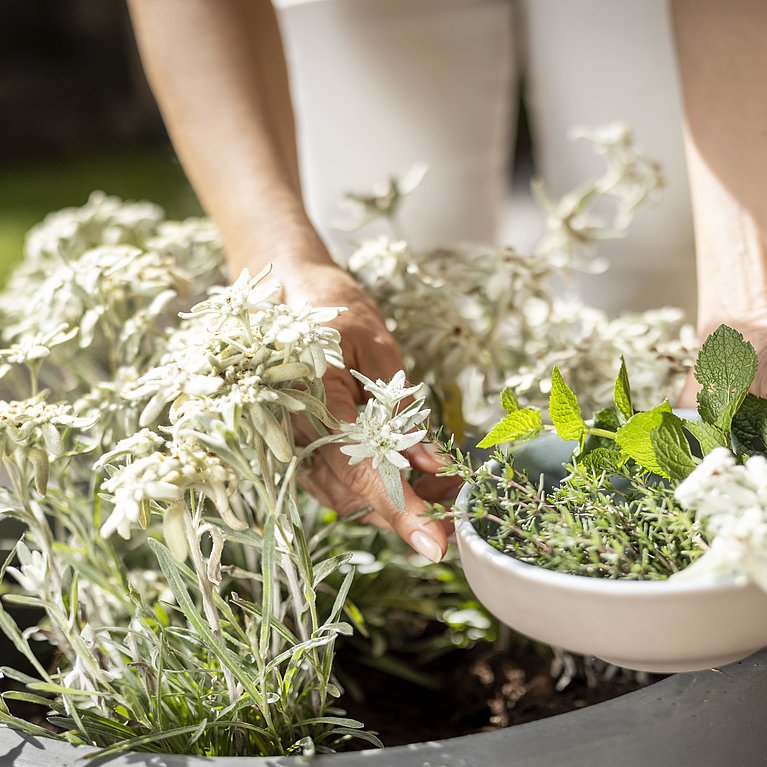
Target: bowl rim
{"x": 468, "y": 535}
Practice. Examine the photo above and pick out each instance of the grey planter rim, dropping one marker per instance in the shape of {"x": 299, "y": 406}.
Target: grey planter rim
{"x": 702, "y": 718}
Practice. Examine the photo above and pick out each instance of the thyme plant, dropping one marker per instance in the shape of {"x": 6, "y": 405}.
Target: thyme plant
{"x": 648, "y": 494}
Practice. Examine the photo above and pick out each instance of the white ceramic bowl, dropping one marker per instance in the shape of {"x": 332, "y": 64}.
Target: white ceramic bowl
{"x": 661, "y": 626}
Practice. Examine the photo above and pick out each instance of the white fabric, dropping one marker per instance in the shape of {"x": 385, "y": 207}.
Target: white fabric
{"x": 380, "y": 84}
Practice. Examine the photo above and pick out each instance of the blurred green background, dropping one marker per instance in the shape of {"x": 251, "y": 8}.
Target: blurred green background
{"x": 77, "y": 115}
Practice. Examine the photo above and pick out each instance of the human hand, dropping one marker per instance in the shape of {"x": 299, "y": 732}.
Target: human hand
{"x": 369, "y": 348}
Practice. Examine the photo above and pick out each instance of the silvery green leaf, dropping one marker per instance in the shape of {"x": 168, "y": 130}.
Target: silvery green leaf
{"x": 392, "y": 480}
{"x": 174, "y": 533}
{"x": 287, "y": 371}
{"x": 40, "y": 467}
{"x": 274, "y": 437}
{"x": 153, "y": 409}
{"x": 52, "y": 439}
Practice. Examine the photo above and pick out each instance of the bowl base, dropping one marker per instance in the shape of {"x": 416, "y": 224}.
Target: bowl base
{"x": 681, "y": 665}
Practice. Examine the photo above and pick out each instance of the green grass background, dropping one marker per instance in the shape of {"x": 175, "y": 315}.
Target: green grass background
{"x": 29, "y": 192}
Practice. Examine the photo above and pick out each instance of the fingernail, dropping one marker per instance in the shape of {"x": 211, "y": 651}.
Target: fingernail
{"x": 426, "y": 546}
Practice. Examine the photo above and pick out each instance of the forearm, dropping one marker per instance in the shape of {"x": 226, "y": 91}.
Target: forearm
{"x": 218, "y": 72}
{"x": 723, "y": 64}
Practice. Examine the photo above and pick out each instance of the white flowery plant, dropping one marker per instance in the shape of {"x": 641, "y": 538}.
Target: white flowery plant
{"x": 384, "y": 430}
{"x": 174, "y": 444}
{"x": 730, "y": 502}
{"x": 473, "y": 319}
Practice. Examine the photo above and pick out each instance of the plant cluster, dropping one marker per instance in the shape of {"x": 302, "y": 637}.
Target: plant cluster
{"x": 471, "y": 319}
{"x": 193, "y": 606}
{"x": 649, "y": 494}
{"x": 194, "y": 597}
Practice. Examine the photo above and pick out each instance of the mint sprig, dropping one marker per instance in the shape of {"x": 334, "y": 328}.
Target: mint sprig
{"x": 655, "y": 440}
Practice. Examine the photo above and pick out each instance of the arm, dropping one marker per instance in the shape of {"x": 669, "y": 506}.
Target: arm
{"x": 218, "y": 72}
{"x": 723, "y": 64}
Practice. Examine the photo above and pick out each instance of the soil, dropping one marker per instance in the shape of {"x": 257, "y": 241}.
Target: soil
{"x": 481, "y": 689}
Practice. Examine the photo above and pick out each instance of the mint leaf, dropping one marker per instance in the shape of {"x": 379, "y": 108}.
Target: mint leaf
{"x": 633, "y": 438}
{"x": 509, "y": 400}
{"x": 749, "y": 426}
{"x": 672, "y": 453}
{"x": 564, "y": 409}
{"x": 519, "y": 425}
{"x": 708, "y": 436}
{"x": 599, "y": 460}
{"x": 725, "y": 368}
{"x": 622, "y": 393}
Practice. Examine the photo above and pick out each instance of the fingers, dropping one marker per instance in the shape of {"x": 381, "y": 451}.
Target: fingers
{"x": 425, "y": 457}
{"x": 437, "y": 489}
{"x": 362, "y": 481}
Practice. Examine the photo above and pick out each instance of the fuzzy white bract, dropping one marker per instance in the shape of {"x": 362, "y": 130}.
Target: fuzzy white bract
{"x": 472, "y": 319}
{"x": 383, "y": 431}
{"x": 730, "y": 502}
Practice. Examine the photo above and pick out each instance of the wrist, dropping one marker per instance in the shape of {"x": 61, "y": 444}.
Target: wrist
{"x": 285, "y": 238}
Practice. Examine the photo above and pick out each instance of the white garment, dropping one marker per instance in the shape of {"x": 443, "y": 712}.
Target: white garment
{"x": 380, "y": 84}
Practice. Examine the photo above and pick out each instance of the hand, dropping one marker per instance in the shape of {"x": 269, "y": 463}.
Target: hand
{"x": 369, "y": 348}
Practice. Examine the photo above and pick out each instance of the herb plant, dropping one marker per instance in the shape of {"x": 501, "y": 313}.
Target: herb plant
{"x": 633, "y": 504}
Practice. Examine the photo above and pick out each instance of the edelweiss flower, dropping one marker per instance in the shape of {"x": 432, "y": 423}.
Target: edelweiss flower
{"x": 28, "y": 423}
{"x": 381, "y": 264}
{"x": 388, "y": 394}
{"x": 33, "y": 575}
{"x": 730, "y": 502}
{"x": 377, "y": 439}
{"x": 154, "y": 478}
{"x": 385, "y": 198}
{"x": 35, "y": 346}
{"x": 245, "y": 295}
{"x": 381, "y": 434}
{"x": 300, "y": 332}
{"x": 139, "y": 445}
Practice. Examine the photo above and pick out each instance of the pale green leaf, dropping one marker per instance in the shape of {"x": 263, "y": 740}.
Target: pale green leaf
{"x": 40, "y": 468}
{"x": 633, "y": 437}
{"x": 725, "y": 368}
{"x": 622, "y": 393}
{"x": 564, "y": 409}
{"x": 672, "y": 453}
{"x": 600, "y": 459}
{"x": 509, "y": 400}
{"x": 519, "y": 425}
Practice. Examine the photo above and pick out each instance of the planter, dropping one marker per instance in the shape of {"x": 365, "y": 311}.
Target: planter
{"x": 704, "y": 624}
{"x": 705, "y": 719}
